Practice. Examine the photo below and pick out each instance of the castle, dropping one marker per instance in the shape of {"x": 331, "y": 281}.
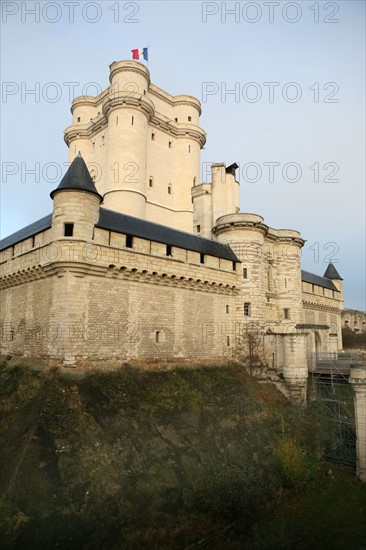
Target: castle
{"x": 139, "y": 260}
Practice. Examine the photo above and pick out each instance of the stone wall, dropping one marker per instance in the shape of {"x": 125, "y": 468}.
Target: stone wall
{"x": 354, "y": 320}
{"x": 100, "y": 302}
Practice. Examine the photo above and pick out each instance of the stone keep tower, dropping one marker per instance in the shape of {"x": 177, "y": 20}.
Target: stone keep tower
{"x": 141, "y": 145}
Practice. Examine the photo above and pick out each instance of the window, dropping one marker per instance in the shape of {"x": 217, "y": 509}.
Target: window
{"x": 227, "y": 309}
{"x": 176, "y": 120}
{"x": 202, "y": 258}
{"x": 129, "y": 241}
{"x": 68, "y": 229}
{"x": 158, "y": 336}
{"x": 168, "y": 250}
{"x": 194, "y": 181}
{"x": 153, "y": 136}
{"x": 247, "y": 309}
{"x": 234, "y": 266}
{"x": 228, "y": 340}
{"x": 189, "y": 148}
{"x": 151, "y": 182}
{"x": 245, "y": 273}
{"x": 170, "y": 144}
{"x": 132, "y": 121}
{"x": 189, "y": 119}
{"x": 286, "y": 313}
{"x": 270, "y": 279}
{"x": 116, "y": 120}
{"x": 33, "y": 241}
{"x": 78, "y": 119}
{"x": 198, "y": 229}
{"x": 169, "y": 189}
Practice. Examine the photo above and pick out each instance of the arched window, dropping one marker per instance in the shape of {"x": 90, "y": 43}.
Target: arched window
{"x": 169, "y": 189}
{"x": 151, "y": 182}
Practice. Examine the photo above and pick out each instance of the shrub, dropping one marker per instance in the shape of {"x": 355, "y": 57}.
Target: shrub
{"x": 292, "y": 460}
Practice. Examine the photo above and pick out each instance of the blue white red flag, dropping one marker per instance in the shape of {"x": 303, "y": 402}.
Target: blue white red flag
{"x": 140, "y": 54}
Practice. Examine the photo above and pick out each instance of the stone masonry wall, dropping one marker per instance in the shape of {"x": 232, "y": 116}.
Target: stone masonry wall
{"x": 83, "y": 300}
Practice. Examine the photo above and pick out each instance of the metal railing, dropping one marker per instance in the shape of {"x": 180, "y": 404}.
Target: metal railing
{"x": 331, "y": 363}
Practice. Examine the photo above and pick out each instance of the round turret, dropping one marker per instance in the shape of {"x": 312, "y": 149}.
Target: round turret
{"x": 83, "y": 109}
{"x": 128, "y": 112}
{"x": 75, "y": 203}
{"x": 129, "y": 76}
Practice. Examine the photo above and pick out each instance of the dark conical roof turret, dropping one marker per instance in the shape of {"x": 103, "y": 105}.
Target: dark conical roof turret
{"x": 77, "y": 178}
{"x": 332, "y": 273}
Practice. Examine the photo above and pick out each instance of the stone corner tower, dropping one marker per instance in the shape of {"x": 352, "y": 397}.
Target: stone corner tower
{"x": 75, "y": 203}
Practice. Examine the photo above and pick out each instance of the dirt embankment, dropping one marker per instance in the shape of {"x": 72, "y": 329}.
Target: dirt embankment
{"x": 147, "y": 459}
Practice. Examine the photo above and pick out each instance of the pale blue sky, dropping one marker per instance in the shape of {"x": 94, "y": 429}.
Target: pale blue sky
{"x": 186, "y": 53}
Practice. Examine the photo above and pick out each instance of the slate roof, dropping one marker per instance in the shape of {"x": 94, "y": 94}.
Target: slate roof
{"x": 121, "y": 223}
{"x": 26, "y": 232}
{"x": 77, "y": 178}
{"x": 332, "y": 273}
{"x": 317, "y": 280}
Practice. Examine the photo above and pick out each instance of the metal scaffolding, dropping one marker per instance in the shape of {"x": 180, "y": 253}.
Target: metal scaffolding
{"x": 329, "y": 382}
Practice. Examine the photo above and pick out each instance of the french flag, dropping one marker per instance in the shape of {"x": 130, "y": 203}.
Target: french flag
{"x": 140, "y": 54}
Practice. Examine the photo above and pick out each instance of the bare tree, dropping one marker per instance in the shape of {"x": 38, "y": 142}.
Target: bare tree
{"x": 251, "y": 348}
